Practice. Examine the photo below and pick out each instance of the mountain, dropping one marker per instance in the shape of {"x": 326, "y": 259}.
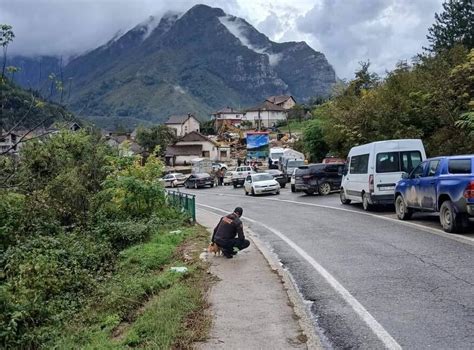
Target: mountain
{"x": 196, "y": 62}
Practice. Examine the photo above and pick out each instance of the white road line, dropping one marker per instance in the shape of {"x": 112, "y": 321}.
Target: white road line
{"x": 455, "y": 237}
{"x": 371, "y": 322}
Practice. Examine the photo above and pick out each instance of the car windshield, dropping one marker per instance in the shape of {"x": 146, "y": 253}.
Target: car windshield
{"x": 202, "y": 175}
{"x": 276, "y": 155}
{"x": 262, "y": 177}
{"x": 295, "y": 163}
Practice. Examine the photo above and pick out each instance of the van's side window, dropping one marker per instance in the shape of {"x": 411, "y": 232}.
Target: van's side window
{"x": 387, "y": 162}
{"x": 410, "y": 160}
{"x": 359, "y": 164}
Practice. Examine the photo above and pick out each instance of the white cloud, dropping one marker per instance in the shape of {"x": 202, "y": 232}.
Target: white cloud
{"x": 346, "y": 31}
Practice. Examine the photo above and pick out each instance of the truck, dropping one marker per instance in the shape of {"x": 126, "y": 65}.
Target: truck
{"x": 289, "y": 161}
{"x": 275, "y": 154}
{"x": 444, "y": 185}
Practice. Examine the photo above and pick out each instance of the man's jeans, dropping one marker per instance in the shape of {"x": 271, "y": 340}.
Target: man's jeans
{"x": 227, "y": 245}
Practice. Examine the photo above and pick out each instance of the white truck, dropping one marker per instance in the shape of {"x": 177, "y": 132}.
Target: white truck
{"x": 289, "y": 161}
{"x": 275, "y": 154}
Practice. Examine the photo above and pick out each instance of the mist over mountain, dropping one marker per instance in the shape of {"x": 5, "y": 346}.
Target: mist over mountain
{"x": 194, "y": 62}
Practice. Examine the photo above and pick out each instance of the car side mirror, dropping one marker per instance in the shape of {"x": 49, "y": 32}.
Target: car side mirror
{"x": 405, "y": 175}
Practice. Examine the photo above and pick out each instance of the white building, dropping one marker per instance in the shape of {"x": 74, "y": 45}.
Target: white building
{"x": 284, "y": 101}
{"x": 8, "y": 142}
{"x": 229, "y": 116}
{"x": 267, "y": 114}
{"x": 183, "y": 124}
{"x": 195, "y": 145}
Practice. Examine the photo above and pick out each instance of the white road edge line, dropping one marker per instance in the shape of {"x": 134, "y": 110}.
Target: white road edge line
{"x": 440, "y": 233}
{"x": 371, "y": 322}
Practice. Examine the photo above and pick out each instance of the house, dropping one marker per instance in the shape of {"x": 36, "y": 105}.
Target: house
{"x": 195, "y": 145}
{"x": 284, "y": 101}
{"x": 266, "y": 114}
{"x": 183, "y": 124}
{"x": 227, "y": 115}
{"x": 8, "y": 142}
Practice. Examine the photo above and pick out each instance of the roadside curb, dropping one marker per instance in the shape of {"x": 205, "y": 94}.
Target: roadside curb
{"x": 296, "y": 299}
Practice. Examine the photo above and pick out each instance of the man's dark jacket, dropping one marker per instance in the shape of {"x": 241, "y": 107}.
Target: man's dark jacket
{"x": 229, "y": 227}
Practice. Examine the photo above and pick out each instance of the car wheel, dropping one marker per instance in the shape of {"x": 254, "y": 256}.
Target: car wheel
{"x": 212, "y": 185}
{"x": 342, "y": 196}
{"x": 324, "y": 189}
{"x": 449, "y": 220}
{"x": 235, "y": 186}
{"x": 403, "y": 212}
{"x": 293, "y": 189}
{"x": 253, "y": 192}
{"x": 365, "y": 202}
{"x": 277, "y": 192}
{"x": 224, "y": 169}
{"x": 246, "y": 193}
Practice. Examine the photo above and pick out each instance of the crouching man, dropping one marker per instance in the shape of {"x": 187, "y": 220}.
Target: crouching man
{"x": 225, "y": 232}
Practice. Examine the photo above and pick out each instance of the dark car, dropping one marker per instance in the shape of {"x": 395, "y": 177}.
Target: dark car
{"x": 319, "y": 178}
{"x": 199, "y": 180}
{"x": 442, "y": 184}
{"x": 278, "y": 176}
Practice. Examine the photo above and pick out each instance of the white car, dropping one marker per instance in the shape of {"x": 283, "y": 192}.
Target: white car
{"x": 261, "y": 183}
{"x": 217, "y": 166}
{"x": 292, "y": 181}
{"x": 228, "y": 177}
{"x": 174, "y": 180}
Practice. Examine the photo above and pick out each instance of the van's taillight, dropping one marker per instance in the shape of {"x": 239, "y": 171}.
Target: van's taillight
{"x": 371, "y": 183}
{"x": 469, "y": 191}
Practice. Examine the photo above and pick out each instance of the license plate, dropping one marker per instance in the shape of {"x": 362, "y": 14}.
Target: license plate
{"x": 387, "y": 188}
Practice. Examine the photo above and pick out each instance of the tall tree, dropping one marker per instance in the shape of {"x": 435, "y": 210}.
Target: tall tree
{"x": 6, "y": 37}
{"x": 455, "y": 25}
{"x": 159, "y": 135}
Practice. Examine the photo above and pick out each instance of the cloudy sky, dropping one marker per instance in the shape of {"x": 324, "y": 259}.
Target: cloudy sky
{"x": 346, "y": 31}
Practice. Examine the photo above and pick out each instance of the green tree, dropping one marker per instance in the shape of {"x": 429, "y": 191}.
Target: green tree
{"x": 455, "y": 25}
{"x": 158, "y": 135}
{"x": 6, "y": 37}
{"x": 314, "y": 145}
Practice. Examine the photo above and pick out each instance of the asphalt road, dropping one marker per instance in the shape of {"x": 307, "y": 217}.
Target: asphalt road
{"x": 372, "y": 281}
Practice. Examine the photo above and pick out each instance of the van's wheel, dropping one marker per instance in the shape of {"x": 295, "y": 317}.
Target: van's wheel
{"x": 365, "y": 202}
{"x": 450, "y": 221}
{"x": 293, "y": 189}
{"x": 403, "y": 212}
{"x": 324, "y": 189}
{"x": 342, "y": 196}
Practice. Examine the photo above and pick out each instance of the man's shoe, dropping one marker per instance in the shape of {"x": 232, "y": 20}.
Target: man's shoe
{"x": 227, "y": 254}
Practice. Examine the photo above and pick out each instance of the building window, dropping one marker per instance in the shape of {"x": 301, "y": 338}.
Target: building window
{"x": 223, "y": 154}
{"x": 205, "y": 154}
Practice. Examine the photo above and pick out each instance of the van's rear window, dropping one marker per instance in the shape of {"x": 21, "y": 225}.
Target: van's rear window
{"x": 460, "y": 166}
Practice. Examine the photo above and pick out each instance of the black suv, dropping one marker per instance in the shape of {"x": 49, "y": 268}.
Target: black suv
{"x": 320, "y": 178}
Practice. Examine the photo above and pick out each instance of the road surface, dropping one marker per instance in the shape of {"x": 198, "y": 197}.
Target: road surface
{"x": 372, "y": 280}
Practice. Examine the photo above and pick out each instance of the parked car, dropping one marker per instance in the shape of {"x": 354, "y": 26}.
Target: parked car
{"x": 199, "y": 180}
{"x": 289, "y": 165}
{"x": 372, "y": 170}
{"x": 319, "y": 178}
{"x": 278, "y": 176}
{"x": 174, "y": 179}
{"x": 292, "y": 181}
{"x": 228, "y": 177}
{"x": 442, "y": 184}
{"x": 240, "y": 174}
{"x": 261, "y": 183}
{"x": 216, "y": 166}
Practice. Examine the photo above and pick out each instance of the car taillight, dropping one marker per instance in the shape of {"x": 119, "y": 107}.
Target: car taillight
{"x": 469, "y": 191}
{"x": 371, "y": 183}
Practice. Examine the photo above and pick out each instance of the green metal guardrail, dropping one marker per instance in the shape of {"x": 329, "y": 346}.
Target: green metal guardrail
{"x": 185, "y": 201}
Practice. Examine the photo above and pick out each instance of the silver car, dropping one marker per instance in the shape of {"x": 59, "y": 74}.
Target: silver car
{"x": 174, "y": 180}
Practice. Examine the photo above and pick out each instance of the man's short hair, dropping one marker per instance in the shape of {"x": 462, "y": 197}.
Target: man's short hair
{"x": 239, "y": 211}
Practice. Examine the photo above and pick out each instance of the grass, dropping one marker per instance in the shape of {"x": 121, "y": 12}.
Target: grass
{"x": 144, "y": 304}
{"x": 295, "y": 126}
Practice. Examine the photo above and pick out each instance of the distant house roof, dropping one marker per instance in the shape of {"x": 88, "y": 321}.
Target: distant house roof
{"x": 185, "y": 150}
{"x": 279, "y": 99}
{"x": 267, "y": 106}
{"x": 179, "y": 119}
{"x": 226, "y": 110}
{"x": 196, "y": 136}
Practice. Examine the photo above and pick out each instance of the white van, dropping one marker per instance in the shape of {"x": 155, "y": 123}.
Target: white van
{"x": 372, "y": 170}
